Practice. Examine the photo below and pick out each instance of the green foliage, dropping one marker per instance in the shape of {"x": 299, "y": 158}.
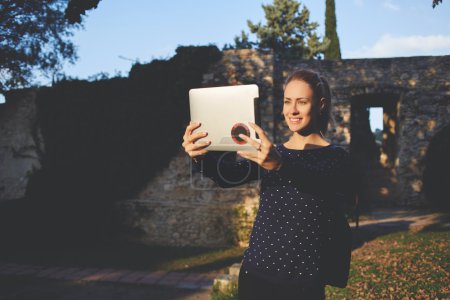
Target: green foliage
{"x": 243, "y": 223}
{"x": 240, "y": 42}
{"x": 287, "y": 31}
{"x": 105, "y": 140}
{"x": 35, "y": 36}
{"x": 334, "y": 50}
{"x": 228, "y": 293}
{"x": 76, "y": 8}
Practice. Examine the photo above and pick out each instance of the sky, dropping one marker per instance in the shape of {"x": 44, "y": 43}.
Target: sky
{"x": 119, "y": 33}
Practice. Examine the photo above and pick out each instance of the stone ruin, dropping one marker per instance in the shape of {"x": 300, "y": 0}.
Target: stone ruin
{"x": 180, "y": 209}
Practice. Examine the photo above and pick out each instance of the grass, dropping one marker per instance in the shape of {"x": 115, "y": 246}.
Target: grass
{"x": 131, "y": 257}
{"x": 401, "y": 265}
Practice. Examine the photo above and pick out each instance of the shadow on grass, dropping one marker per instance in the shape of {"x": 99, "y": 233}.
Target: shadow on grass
{"x": 127, "y": 256}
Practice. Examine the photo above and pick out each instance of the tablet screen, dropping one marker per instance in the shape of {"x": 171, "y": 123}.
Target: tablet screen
{"x": 224, "y": 112}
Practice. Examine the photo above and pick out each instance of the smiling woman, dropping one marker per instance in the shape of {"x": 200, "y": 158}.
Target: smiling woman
{"x": 300, "y": 239}
{"x": 306, "y": 107}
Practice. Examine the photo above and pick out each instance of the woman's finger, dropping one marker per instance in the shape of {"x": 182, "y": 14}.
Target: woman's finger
{"x": 196, "y": 136}
{"x": 196, "y": 153}
{"x": 249, "y": 140}
{"x": 195, "y": 147}
{"x": 261, "y": 133}
{"x": 190, "y": 128}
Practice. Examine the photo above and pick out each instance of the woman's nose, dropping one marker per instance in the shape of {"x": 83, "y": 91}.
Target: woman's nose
{"x": 294, "y": 109}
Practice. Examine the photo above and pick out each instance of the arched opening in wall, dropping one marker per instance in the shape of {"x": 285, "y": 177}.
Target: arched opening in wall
{"x": 373, "y": 143}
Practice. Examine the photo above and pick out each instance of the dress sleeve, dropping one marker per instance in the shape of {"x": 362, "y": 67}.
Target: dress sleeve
{"x": 225, "y": 171}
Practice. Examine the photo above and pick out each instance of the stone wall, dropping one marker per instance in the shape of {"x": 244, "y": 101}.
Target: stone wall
{"x": 180, "y": 208}
{"x": 414, "y": 92}
{"x": 419, "y": 90}
{"x": 20, "y": 143}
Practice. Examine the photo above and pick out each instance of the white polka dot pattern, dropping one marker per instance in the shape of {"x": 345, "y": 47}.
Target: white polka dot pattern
{"x": 295, "y": 211}
{"x": 290, "y": 227}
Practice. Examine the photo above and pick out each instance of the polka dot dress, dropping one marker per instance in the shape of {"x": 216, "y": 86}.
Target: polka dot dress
{"x": 291, "y": 226}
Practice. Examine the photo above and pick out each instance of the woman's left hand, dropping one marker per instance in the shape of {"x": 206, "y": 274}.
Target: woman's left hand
{"x": 267, "y": 156}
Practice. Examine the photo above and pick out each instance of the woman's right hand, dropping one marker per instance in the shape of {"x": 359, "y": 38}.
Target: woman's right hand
{"x": 194, "y": 150}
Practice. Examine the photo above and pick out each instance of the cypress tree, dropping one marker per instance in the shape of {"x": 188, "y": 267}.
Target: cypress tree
{"x": 334, "y": 50}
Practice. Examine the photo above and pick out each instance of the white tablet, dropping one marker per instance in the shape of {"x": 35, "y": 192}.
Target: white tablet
{"x": 224, "y": 112}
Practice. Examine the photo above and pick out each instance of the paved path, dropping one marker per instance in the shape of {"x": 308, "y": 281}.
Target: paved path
{"x": 27, "y": 282}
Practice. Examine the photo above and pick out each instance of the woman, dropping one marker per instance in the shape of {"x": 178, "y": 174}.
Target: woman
{"x": 300, "y": 239}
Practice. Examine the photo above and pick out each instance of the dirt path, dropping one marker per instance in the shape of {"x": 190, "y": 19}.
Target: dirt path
{"x": 416, "y": 220}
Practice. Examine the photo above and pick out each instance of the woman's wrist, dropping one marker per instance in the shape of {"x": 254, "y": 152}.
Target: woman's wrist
{"x": 279, "y": 166}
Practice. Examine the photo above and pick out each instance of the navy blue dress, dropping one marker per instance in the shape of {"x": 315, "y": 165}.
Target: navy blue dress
{"x": 300, "y": 235}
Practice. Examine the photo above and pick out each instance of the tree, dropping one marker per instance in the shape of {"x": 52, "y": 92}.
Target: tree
{"x": 76, "y": 8}
{"x": 35, "y": 36}
{"x": 240, "y": 42}
{"x": 436, "y": 2}
{"x": 334, "y": 50}
{"x": 288, "y": 31}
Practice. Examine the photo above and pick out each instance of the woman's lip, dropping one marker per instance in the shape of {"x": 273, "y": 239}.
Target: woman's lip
{"x": 295, "y": 120}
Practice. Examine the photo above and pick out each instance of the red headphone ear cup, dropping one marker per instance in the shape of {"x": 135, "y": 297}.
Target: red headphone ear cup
{"x": 239, "y": 128}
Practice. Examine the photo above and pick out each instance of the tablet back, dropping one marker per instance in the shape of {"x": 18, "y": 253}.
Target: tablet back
{"x": 224, "y": 113}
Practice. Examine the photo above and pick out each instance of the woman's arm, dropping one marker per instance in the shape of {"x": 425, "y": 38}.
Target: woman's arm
{"x": 225, "y": 171}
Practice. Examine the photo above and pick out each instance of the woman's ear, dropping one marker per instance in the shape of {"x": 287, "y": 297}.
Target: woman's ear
{"x": 321, "y": 105}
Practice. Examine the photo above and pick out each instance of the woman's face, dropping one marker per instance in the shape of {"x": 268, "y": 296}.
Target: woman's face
{"x": 298, "y": 106}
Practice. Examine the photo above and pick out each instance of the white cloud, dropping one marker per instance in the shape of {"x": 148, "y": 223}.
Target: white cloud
{"x": 394, "y": 46}
{"x": 389, "y": 5}
{"x": 359, "y": 3}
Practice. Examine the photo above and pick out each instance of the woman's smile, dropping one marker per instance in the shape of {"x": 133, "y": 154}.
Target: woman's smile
{"x": 295, "y": 120}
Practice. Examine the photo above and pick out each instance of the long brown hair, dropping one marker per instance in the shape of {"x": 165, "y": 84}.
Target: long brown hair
{"x": 321, "y": 89}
